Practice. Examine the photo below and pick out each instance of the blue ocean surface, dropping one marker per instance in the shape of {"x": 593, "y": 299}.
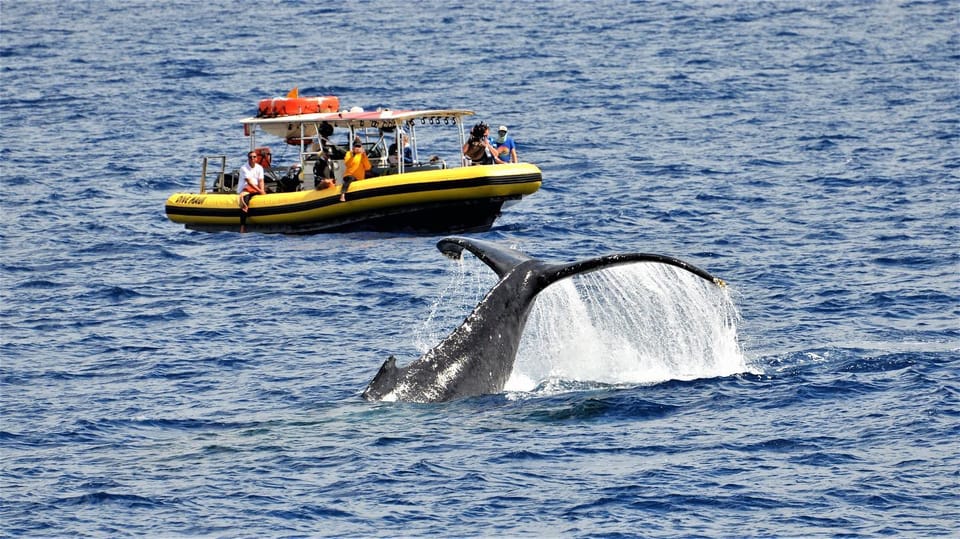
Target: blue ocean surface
{"x": 161, "y": 382}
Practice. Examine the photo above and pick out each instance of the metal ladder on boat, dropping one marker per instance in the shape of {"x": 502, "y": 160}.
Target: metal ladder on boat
{"x": 219, "y": 185}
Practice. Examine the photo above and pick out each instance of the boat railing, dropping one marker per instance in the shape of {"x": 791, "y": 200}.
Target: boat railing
{"x": 219, "y": 186}
{"x": 311, "y": 157}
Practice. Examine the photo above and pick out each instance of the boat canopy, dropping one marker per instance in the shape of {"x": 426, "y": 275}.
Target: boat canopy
{"x": 306, "y": 125}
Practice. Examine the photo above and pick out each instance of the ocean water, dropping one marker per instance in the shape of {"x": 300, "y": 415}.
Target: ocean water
{"x": 160, "y": 382}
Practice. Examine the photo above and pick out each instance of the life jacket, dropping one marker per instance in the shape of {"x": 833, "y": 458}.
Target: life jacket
{"x": 264, "y": 157}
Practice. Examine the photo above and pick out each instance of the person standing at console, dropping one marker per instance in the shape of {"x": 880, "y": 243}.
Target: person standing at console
{"x": 506, "y": 147}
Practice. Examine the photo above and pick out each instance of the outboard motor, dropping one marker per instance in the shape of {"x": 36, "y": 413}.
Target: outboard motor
{"x": 290, "y": 182}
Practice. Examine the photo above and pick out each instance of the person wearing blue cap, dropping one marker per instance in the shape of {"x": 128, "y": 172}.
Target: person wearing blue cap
{"x": 506, "y": 147}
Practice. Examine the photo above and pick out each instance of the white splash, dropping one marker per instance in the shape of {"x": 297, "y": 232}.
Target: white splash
{"x": 468, "y": 282}
{"x": 626, "y": 325}
{"x": 634, "y": 324}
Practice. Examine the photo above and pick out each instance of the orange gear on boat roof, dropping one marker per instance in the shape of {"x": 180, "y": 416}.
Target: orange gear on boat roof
{"x": 287, "y": 106}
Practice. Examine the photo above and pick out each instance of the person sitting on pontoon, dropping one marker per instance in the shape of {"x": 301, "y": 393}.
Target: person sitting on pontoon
{"x": 355, "y": 167}
{"x": 251, "y": 181}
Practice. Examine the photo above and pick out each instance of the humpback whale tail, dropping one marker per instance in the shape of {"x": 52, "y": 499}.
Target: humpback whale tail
{"x": 477, "y": 357}
{"x": 503, "y": 260}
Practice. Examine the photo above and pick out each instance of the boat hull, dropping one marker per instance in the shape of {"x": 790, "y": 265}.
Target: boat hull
{"x": 447, "y": 200}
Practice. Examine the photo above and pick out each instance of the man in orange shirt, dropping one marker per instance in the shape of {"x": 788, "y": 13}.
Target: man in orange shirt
{"x": 355, "y": 167}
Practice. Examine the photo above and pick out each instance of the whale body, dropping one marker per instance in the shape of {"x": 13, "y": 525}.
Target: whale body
{"x": 477, "y": 357}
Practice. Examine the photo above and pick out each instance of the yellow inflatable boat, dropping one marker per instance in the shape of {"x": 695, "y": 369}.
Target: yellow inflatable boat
{"x": 401, "y": 192}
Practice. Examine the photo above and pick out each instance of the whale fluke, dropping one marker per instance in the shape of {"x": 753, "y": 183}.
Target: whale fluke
{"x": 477, "y": 357}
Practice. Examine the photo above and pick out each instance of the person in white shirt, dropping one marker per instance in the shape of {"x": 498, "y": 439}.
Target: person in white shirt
{"x": 251, "y": 181}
